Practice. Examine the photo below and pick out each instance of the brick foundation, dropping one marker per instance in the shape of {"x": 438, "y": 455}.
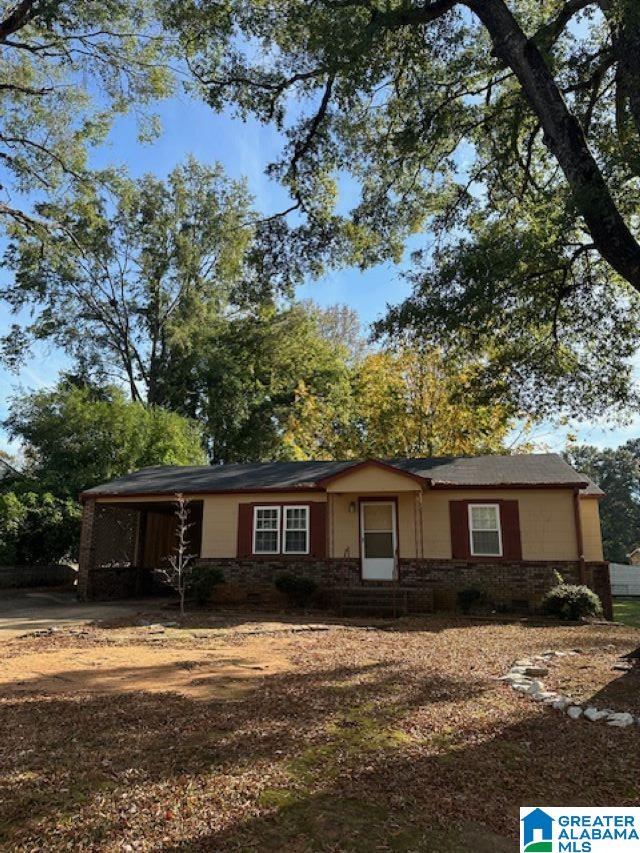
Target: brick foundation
{"x": 509, "y": 585}
{"x": 431, "y": 583}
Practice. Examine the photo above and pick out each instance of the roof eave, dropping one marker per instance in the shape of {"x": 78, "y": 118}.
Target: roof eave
{"x": 160, "y": 493}
{"x": 450, "y": 486}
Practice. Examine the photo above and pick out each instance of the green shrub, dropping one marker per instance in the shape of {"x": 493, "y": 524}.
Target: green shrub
{"x": 571, "y": 602}
{"x": 471, "y": 598}
{"x": 203, "y": 581}
{"x": 299, "y": 591}
{"x": 36, "y": 529}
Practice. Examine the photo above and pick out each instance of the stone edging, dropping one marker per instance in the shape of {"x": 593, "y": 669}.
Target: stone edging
{"x": 524, "y": 675}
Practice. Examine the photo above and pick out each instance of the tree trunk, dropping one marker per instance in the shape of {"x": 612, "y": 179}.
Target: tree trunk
{"x": 564, "y": 137}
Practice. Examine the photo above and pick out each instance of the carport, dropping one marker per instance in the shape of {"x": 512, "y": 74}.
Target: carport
{"x": 124, "y": 542}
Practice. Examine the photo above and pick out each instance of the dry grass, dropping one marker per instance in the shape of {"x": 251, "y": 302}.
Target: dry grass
{"x": 345, "y": 740}
{"x": 597, "y": 678}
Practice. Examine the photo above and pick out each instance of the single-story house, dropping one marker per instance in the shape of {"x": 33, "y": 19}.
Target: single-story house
{"x": 429, "y": 527}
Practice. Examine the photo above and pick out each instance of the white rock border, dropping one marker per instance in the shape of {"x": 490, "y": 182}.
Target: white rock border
{"x": 524, "y": 676}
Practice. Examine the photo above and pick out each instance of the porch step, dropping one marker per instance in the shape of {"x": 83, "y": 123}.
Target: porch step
{"x": 389, "y": 601}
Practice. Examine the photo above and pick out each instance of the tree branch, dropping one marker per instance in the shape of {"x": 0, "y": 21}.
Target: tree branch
{"x": 16, "y": 19}
{"x": 550, "y": 32}
{"x": 564, "y": 137}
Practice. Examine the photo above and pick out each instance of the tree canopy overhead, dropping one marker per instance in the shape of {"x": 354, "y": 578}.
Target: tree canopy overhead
{"x": 137, "y": 270}
{"x": 66, "y": 70}
{"x": 515, "y": 124}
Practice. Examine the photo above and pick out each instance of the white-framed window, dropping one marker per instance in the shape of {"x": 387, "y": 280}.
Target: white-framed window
{"x": 485, "y": 534}
{"x": 266, "y": 529}
{"x": 295, "y": 533}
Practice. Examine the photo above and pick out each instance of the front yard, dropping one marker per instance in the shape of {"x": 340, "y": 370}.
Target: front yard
{"x": 627, "y": 611}
{"x": 240, "y": 734}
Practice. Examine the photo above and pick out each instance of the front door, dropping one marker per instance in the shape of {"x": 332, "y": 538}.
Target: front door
{"x": 378, "y": 540}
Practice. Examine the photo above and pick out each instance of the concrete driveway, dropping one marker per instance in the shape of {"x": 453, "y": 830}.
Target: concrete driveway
{"x": 27, "y": 610}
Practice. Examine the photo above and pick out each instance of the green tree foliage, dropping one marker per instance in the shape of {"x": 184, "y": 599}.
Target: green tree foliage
{"x": 298, "y": 383}
{"x": 140, "y": 267}
{"x": 516, "y": 124}
{"x": 546, "y": 337}
{"x": 66, "y": 70}
{"x": 617, "y": 472}
{"x": 37, "y": 527}
{"x": 76, "y": 437}
{"x": 250, "y": 378}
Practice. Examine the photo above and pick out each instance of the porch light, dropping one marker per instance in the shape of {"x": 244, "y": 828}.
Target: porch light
{"x": 352, "y": 506}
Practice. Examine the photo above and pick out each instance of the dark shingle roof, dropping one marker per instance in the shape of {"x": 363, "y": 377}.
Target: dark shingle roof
{"x": 591, "y": 490}
{"x": 540, "y": 469}
{"x": 548, "y": 469}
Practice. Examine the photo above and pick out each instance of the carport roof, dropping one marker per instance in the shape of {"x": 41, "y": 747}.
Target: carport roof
{"x": 524, "y": 471}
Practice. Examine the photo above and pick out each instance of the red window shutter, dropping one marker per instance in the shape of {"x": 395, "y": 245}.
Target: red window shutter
{"x": 459, "y": 514}
{"x": 245, "y": 530}
{"x": 510, "y": 521}
{"x": 318, "y": 530}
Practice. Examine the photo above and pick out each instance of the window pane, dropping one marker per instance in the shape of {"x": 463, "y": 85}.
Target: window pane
{"x": 486, "y": 542}
{"x": 378, "y": 545}
{"x": 266, "y": 541}
{"x": 378, "y": 517}
{"x": 295, "y": 541}
{"x": 296, "y": 518}
{"x": 267, "y": 519}
{"x": 484, "y": 518}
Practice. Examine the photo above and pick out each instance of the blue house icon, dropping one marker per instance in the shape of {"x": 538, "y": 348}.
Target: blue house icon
{"x": 537, "y": 828}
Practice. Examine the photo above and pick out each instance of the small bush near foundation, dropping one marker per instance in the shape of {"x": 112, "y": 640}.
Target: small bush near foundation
{"x": 571, "y": 602}
{"x": 471, "y": 599}
{"x": 203, "y": 581}
{"x": 299, "y": 591}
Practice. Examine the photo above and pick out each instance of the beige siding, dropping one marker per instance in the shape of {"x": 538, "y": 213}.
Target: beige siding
{"x": 374, "y": 480}
{"x": 547, "y": 521}
{"x": 345, "y": 541}
{"x": 344, "y": 526}
{"x": 547, "y": 518}
{"x": 220, "y": 518}
{"x": 592, "y": 536}
{"x": 220, "y": 515}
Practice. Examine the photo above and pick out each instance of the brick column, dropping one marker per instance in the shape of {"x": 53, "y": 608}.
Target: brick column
{"x": 601, "y": 584}
{"x": 87, "y": 548}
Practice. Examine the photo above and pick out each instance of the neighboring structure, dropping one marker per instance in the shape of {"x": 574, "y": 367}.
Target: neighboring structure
{"x": 429, "y": 527}
{"x": 634, "y": 557}
{"x": 625, "y": 580}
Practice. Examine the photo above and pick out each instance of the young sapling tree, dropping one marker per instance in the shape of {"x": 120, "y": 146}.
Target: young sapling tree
{"x": 180, "y": 564}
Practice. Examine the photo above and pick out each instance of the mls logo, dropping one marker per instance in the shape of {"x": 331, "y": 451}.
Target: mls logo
{"x": 536, "y": 834}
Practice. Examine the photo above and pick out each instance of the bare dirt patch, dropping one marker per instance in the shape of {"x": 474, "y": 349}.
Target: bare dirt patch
{"x": 219, "y": 673}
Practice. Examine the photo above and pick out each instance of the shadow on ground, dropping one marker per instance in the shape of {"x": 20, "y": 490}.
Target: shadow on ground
{"x": 391, "y": 754}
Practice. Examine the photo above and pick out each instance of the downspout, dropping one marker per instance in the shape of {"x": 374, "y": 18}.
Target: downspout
{"x": 579, "y": 535}
{"x": 421, "y": 523}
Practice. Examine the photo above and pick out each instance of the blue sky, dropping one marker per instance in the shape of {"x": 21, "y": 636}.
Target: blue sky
{"x": 190, "y": 127}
